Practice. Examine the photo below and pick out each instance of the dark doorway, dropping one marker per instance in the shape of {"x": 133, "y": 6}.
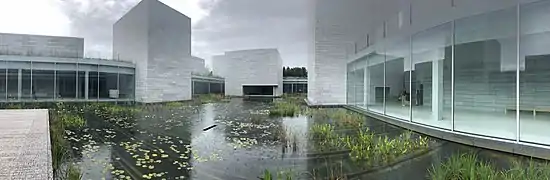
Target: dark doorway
{"x": 258, "y": 90}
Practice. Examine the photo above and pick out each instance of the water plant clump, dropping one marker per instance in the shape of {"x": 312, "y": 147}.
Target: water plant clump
{"x": 468, "y": 166}
{"x": 62, "y": 119}
{"x": 283, "y": 108}
{"x": 211, "y": 98}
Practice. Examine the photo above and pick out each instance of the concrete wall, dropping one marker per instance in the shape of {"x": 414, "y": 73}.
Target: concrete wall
{"x": 37, "y": 45}
{"x": 257, "y": 66}
{"x": 219, "y": 65}
{"x": 335, "y": 27}
{"x": 157, "y": 38}
{"x": 198, "y": 66}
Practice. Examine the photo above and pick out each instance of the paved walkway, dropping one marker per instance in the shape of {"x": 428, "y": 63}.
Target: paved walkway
{"x": 25, "y": 145}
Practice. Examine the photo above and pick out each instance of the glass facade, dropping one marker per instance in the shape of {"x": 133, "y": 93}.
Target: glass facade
{"x": 487, "y": 74}
{"x": 64, "y": 81}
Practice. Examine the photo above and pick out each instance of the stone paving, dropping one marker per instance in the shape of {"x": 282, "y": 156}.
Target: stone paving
{"x": 25, "y": 145}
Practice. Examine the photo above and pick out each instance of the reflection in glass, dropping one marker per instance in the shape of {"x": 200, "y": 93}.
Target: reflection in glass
{"x": 43, "y": 84}
{"x": 126, "y": 86}
{"x": 350, "y": 92}
{"x": 376, "y": 92}
{"x": 3, "y": 82}
{"x": 108, "y": 85}
{"x": 431, "y": 82}
{"x": 397, "y": 68}
{"x": 13, "y": 84}
{"x": 534, "y": 72}
{"x": 485, "y": 74}
{"x": 81, "y": 85}
{"x": 27, "y": 92}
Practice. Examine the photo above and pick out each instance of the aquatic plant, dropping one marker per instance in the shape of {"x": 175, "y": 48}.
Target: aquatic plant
{"x": 61, "y": 119}
{"x": 211, "y": 98}
{"x": 281, "y": 175}
{"x": 282, "y": 108}
{"x": 464, "y": 166}
{"x": 174, "y": 104}
{"x": 73, "y": 173}
{"x": 527, "y": 171}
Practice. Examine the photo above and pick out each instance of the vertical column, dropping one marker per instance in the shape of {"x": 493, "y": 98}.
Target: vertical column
{"x": 19, "y": 83}
{"x": 118, "y": 82}
{"x": 437, "y": 89}
{"x": 6, "y": 80}
{"x": 365, "y": 87}
{"x": 208, "y": 87}
{"x": 55, "y": 93}
{"x": 77, "y": 82}
{"x": 86, "y": 83}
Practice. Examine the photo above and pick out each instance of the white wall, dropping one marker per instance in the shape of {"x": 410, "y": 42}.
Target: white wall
{"x": 198, "y": 66}
{"x": 256, "y": 66}
{"x": 335, "y": 28}
{"x": 36, "y": 45}
{"x": 158, "y": 39}
{"x": 219, "y": 65}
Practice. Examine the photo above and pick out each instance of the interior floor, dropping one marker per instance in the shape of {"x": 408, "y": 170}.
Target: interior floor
{"x": 533, "y": 128}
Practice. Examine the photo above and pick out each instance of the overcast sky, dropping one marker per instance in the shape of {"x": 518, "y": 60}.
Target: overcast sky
{"x": 218, "y": 25}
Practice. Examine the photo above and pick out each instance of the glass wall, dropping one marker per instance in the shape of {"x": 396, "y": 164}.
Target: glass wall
{"x": 3, "y": 81}
{"x": 486, "y": 74}
{"x": 375, "y": 91}
{"x": 49, "y": 81}
{"x": 398, "y": 63}
{"x": 65, "y": 81}
{"x": 13, "y": 84}
{"x": 127, "y": 87}
{"x": 82, "y": 81}
{"x": 108, "y": 82}
{"x": 93, "y": 83}
{"x": 431, "y": 65}
{"x": 534, "y": 79}
{"x": 43, "y": 81}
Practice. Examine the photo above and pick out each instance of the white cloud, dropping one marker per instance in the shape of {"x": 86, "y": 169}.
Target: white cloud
{"x": 41, "y": 17}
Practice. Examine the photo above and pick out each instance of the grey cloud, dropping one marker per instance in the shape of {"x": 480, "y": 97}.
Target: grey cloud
{"x": 94, "y": 21}
{"x": 243, "y": 24}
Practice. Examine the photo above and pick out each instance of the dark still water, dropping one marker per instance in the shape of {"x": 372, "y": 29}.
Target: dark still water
{"x": 169, "y": 142}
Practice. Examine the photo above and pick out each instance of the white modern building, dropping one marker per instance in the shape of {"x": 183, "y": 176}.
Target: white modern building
{"x": 157, "y": 39}
{"x": 255, "y": 72}
{"x": 151, "y": 62}
{"x": 198, "y": 66}
{"x": 51, "y": 68}
{"x": 468, "y": 68}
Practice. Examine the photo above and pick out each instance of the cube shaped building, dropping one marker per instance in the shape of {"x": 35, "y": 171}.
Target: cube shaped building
{"x": 157, "y": 39}
{"x": 255, "y": 72}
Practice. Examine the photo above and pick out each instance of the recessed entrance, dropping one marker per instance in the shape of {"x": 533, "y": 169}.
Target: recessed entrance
{"x": 258, "y": 90}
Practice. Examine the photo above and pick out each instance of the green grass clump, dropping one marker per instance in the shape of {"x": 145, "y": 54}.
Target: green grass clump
{"x": 211, "y": 98}
{"x": 467, "y": 166}
{"x": 282, "y": 108}
{"x": 174, "y": 104}
{"x": 267, "y": 175}
{"x": 527, "y": 171}
{"x": 60, "y": 120}
{"x": 464, "y": 166}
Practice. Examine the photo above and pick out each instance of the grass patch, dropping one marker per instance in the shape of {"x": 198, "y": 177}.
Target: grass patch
{"x": 62, "y": 119}
{"x": 211, "y": 98}
{"x": 282, "y": 108}
{"x": 365, "y": 147}
{"x": 467, "y": 166}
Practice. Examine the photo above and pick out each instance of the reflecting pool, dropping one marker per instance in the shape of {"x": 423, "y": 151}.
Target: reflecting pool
{"x": 238, "y": 139}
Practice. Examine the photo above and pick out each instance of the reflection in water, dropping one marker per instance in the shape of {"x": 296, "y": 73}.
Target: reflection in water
{"x": 169, "y": 142}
